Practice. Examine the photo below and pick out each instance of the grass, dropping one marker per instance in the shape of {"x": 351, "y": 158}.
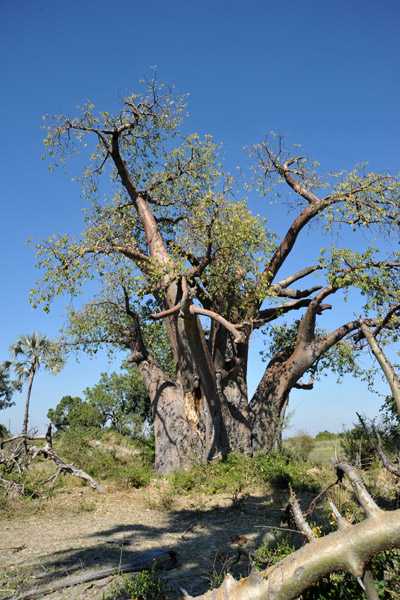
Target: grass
{"x": 108, "y": 456}
{"x": 239, "y": 474}
{"x": 324, "y": 450}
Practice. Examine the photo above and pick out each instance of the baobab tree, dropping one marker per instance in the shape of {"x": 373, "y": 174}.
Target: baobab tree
{"x": 29, "y": 353}
{"x": 175, "y": 247}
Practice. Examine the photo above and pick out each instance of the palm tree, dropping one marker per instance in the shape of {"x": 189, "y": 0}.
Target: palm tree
{"x": 29, "y": 353}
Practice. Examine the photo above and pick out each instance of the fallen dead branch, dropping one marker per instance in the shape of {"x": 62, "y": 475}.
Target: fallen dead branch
{"x": 162, "y": 559}
{"x": 347, "y": 549}
{"x": 22, "y": 455}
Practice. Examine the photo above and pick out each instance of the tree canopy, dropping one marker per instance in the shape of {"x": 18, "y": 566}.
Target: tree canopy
{"x": 173, "y": 240}
{"x": 73, "y": 412}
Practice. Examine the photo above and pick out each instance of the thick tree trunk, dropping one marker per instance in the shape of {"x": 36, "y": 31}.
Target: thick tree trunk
{"x": 235, "y": 426}
{"x": 270, "y": 401}
{"x": 235, "y": 429}
{"x": 175, "y": 427}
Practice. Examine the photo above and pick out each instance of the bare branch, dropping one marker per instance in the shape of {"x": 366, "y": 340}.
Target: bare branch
{"x": 363, "y": 496}
{"x": 166, "y": 313}
{"x": 299, "y": 518}
{"x": 341, "y": 521}
{"x": 283, "y": 283}
{"x": 239, "y": 337}
{"x": 270, "y": 314}
{"x": 290, "y": 293}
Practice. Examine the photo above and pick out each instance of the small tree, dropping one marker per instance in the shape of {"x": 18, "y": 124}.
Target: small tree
{"x": 75, "y": 412}
{"x": 121, "y": 399}
{"x": 29, "y": 354}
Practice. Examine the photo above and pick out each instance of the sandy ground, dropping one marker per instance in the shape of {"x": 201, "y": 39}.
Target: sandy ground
{"x": 79, "y": 531}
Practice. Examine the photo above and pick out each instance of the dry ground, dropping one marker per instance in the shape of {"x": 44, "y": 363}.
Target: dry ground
{"x": 78, "y": 531}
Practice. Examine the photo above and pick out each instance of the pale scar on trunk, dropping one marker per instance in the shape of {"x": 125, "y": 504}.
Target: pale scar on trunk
{"x": 193, "y": 406}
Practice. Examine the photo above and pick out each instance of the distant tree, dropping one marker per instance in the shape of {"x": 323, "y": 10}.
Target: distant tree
{"x": 75, "y": 412}
{"x": 29, "y": 354}
{"x": 325, "y": 435}
{"x": 121, "y": 399}
{"x": 6, "y": 390}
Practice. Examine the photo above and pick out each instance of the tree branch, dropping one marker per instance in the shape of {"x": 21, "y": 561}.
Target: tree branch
{"x": 233, "y": 329}
{"x": 269, "y": 314}
{"x": 363, "y": 496}
{"x": 299, "y": 518}
{"x": 390, "y": 374}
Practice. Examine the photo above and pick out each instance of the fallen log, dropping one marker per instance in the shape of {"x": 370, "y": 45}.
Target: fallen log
{"x": 29, "y": 453}
{"x": 347, "y": 549}
{"x": 162, "y": 559}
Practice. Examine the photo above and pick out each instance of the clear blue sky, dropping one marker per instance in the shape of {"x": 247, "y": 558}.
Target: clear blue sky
{"x": 324, "y": 73}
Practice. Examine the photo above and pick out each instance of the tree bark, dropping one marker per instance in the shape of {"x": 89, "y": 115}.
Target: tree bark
{"x": 268, "y": 405}
{"x": 28, "y": 397}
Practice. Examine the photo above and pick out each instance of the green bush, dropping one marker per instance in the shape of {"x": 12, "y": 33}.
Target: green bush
{"x": 356, "y": 447}
{"x": 300, "y": 446}
{"x": 281, "y": 470}
{"x": 147, "y": 585}
{"x": 275, "y": 469}
{"x": 272, "y": 551}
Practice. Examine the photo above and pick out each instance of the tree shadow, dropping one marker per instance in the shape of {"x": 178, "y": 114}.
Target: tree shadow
{"x": 209, "y": 541}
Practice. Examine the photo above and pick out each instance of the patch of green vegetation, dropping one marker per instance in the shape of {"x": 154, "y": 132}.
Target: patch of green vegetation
{"x": 325, "y": 435}
{"x": 276, "y": 470}
{"x": 300, "y": 446}
{"x": 147, "y": 585}
{"x": 271, "y": 552}
{"x": 107, "y": 455}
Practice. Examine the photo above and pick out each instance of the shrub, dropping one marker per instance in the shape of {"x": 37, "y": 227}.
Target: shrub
{"x": 275, "y": 469}
{"x": 356, "y": 447}
{"x": 280, "y": 470}
{"x": 300, "y": 446}
{"x": 147, "y": 585}
{"x": 272, "y": 551}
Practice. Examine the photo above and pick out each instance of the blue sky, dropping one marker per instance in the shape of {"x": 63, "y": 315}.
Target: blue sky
{"x": 324, "y": 73}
